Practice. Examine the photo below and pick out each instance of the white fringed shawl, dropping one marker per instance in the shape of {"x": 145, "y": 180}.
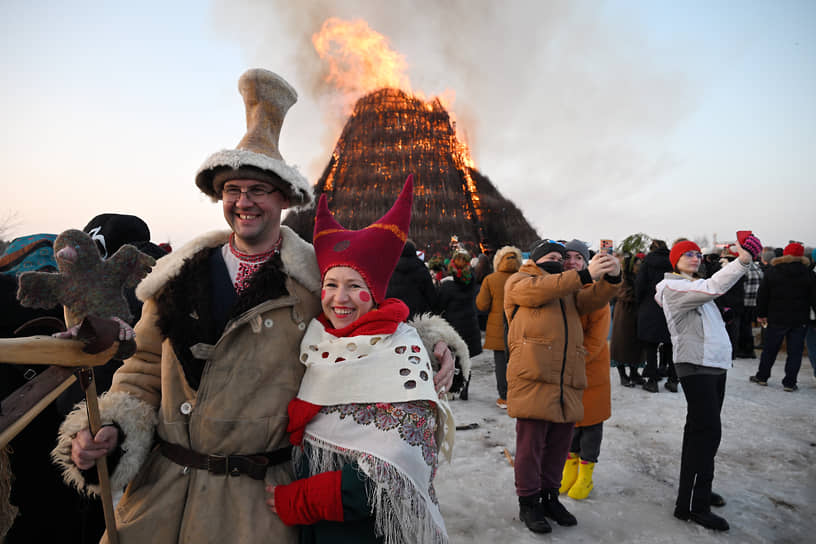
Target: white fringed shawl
{"x": 374, "y": 390}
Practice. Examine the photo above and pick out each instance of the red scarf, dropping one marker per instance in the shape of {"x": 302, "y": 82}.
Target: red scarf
{"x": 383, "y": 320}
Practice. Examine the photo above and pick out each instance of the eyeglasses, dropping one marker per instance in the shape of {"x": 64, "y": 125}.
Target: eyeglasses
{"x": 693, "y": 254}
{"x": 231, "y": 193}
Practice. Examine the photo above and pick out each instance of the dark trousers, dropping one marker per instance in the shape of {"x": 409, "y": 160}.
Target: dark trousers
{"x": 745, "y": 343}
{"x": 810, "y": 342}
{"x": 541, "y": 450}
{"x": 701, "y": 438}
{"x": 733, "y": 329}
{"x": 774, "y": 335}
{"x": 500, "y": 363}
{"x": 665, "y": 349}
{"x": 586, "y": 442}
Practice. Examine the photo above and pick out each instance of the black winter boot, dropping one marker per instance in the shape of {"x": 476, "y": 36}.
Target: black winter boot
{"x": 463, "y": 394}
{"x": 706, "y": 519}
{"x": 671, "y": 385}
{"x": 651, "y": 386}
{"x": 634, "y": 377}
{"x": 625, "y": 381}
{"x": 554, "y": 510}
{"x": 531, "y": 513}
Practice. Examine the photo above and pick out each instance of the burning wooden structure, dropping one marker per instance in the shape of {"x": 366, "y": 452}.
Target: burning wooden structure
{"x": 391, "y": 134}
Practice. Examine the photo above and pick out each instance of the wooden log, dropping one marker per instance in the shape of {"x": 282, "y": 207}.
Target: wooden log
{"x": 46, "y": 350}
{"x": 22, "y": 406}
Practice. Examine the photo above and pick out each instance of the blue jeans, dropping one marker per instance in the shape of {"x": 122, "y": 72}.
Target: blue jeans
{"x": 774, "y": 335}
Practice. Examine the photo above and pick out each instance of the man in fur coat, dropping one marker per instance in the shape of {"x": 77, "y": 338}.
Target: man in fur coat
{"x": 217, "y": 357}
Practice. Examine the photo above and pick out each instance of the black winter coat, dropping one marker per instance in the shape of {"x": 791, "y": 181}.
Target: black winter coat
{"x": 456, "y": 302}
{"x": 651, "y": 325}
{"x": 411, "y": 283}
{"x": 787, "y": 292}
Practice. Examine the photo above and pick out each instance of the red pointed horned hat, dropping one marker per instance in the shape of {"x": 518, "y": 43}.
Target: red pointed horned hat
{"x": 372, "y": 251}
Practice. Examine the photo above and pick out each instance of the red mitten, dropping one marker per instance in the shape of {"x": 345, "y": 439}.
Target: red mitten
{"x": 300, "y": 413}
{"x": 310, "y": 500}
{"x": 749, "y": 242}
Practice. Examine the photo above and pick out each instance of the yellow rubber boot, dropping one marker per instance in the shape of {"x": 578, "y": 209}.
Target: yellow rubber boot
{"x": 583, "y": 485}
{"x": 570, "y": 472}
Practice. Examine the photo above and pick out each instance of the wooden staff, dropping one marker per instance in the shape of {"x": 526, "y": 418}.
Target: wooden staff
{"x": 88, "y": 384}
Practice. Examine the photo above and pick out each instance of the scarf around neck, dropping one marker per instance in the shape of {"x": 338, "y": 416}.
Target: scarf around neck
{"x": 382, "y": 320}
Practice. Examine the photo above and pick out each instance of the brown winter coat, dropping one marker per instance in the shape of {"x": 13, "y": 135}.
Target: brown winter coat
{"x": 251, "y": 374}
{"x": 545, "y": 371}
{"x": 491, "y": 296}
{"x": 597, "y": 395}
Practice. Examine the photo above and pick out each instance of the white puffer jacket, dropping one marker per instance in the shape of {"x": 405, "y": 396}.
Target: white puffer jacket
{"x": 697, "y": 330}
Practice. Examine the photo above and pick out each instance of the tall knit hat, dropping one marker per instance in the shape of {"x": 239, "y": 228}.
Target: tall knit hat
{"x": 267, "y": 98}
{"x": 542, "y": 247}
{"x": 679, "y": 248}
{"x": 794, "y": 249}
{"x": 372, "y": 251}
{"x": 580, "y": 247}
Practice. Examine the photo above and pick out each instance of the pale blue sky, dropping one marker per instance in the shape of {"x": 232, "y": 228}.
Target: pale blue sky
{"x": 598, "y": 119}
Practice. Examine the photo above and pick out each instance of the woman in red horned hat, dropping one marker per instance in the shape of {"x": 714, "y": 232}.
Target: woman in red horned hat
{"x": 367, "y": 418}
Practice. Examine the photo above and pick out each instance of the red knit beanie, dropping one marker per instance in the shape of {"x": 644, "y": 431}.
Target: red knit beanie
{"x": 794, "y": 249}
{"x": 679, "y": 248}
{"x": 372, "y": 251}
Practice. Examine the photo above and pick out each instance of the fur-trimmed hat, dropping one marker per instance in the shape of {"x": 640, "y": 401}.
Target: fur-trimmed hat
{"x": 267, "y": 98}
{"x": 795, "y": 249}
{"x": 679, "y": 248}
{"x": 503, "y": 252}
{"x": 372, "y": 251}
{"x": 580, "y": 247}
{"x": 542, "y": 247}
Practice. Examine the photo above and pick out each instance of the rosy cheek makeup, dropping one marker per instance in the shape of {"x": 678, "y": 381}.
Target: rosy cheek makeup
{"x": 364, "y": 296}
{"x": 322, "y": 294}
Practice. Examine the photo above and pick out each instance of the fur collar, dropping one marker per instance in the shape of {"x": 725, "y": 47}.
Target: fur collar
{"x": 785, "y": 259}
{"x": 297, "y": 255}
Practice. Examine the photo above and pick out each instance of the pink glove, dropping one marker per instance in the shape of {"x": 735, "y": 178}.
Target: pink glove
{"x": 752, "y": 245}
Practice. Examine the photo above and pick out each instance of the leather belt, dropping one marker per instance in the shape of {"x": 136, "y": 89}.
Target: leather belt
{"x": 254, "y": 465}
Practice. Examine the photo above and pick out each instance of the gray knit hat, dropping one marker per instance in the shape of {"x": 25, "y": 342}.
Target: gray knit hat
{"x": 580, "y": 247}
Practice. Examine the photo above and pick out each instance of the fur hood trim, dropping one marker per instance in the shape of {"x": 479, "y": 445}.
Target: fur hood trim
{"x": 299, "y": 193}
{"x": 497, "y": 258}
{"x": 433, "y": 329}
{"x": 136, "y": 418}
{"x": 785, "y": 259}
{"x": 297, "y": 255}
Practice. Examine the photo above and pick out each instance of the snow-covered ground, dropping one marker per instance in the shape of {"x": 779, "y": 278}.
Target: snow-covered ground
{"x": 764, "y": 467}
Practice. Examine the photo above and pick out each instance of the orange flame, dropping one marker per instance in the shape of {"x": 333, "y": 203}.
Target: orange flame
{"x": 360, "y": 61}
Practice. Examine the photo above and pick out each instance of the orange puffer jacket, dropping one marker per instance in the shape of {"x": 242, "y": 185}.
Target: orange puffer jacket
{"x": 546, "y": 375}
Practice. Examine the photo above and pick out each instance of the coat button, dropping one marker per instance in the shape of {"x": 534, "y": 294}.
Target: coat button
{"x": 186, "y": 408}
{"x": 301, "y": 325}
{"x": 268, "y": 323}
